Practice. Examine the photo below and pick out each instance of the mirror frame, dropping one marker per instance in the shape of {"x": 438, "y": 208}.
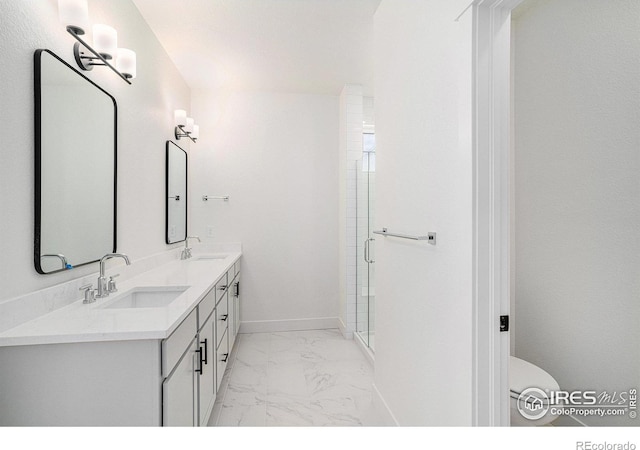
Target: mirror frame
{"x": 38, "y": 159}
{"x": 166, "y": 193}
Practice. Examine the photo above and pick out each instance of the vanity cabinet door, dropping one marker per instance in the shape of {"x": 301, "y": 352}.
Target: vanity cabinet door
{"x": 179, "y": 390}
{"x": 206, "y": 380}
{"x": 234, "y": 310}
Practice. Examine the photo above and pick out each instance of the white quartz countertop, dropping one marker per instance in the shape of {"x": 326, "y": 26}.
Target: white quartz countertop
{"x": 79, "y": 322}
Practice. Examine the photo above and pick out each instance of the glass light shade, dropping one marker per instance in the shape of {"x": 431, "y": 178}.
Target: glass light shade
{"x": 180, "y": 117}
{"x": 195, "y": 134}
{"x": 189, "y": 127}
{"x": 126, "y": 62}
{"x": 105, "y": 40}
{"x": 74, "y": 14}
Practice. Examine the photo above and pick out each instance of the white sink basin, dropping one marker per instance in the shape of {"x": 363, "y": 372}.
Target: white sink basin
{"x": 147, "y": 297}
{"x": 209, "y": 257}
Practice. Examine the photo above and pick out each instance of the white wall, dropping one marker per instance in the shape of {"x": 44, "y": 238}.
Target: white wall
{"x": 577, "y": 192}
{"x": 423, "y": 177}
{"x": 276, "y": 156}
{"x": 144, "y": 124}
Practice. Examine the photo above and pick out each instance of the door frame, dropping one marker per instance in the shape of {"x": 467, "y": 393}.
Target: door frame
{"x": 491, "y": 146}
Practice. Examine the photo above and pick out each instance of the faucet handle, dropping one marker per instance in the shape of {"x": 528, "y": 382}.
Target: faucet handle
{"x": 111, "y": 284}
{"x": 89, "y": 293}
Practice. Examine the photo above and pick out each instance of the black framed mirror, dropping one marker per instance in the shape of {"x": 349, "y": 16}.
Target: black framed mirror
{"x": 176, "y": 194}
{"x": 75, "y": 167}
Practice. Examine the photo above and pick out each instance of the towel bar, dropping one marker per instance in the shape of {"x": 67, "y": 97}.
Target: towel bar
{"x": 430, "y": 237}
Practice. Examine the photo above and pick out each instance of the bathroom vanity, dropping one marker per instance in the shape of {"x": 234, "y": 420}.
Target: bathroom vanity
{"x": 151, "y": 354}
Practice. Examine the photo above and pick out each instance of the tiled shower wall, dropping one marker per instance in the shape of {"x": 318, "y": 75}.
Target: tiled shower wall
{"x": 351, "y": 140}
{"x": 354, "y": 110}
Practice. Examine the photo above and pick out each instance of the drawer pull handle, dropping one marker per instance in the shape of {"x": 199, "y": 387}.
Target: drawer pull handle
{"x": 226, "y": 356}
{"x": 237, "y": 292}
{"x": 205, "y": 350}
{"x": 224, "y": 317}
{"x": 223, "y": 287}
{"x": 199, "y": 351}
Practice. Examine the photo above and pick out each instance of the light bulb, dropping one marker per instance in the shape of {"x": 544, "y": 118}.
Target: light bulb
{"x": 180, "y": 117}
{"x": 74, "y": 14}
{"x": 126, "y": 62}
{"x": 189, "y": 127}
{"x": 105, "y": 40}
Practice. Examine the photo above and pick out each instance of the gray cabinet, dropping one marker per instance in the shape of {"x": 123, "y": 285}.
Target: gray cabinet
{"x": 207, "y": 375}
{"x": 222, "y": 358}
{"x": 189, "y": 390}
{"x": 179, "y": 390}
{"x": 147, "y": 382}
{"x": 234, "y": 309}
{"x": 195, "y": 356}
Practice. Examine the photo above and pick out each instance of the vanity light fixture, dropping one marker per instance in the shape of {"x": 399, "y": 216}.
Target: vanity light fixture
{"x": 185, "y": 126}
{"x": 74, "y": 14}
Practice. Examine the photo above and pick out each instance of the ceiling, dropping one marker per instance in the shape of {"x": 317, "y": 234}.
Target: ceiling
{"x": 307, "y": 46}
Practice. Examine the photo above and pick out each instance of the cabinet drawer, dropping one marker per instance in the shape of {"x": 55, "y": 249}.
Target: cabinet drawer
{"x": 222, "y": 318}
{"x": 222, "y": 360}
{"x": 222, "y": 287}
{"x": 175, "y": 345}
{"x": 206, "y": 307}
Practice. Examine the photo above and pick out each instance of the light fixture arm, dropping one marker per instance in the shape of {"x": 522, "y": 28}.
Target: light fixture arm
{"x": 86, "y": 62}
{"x": 180, "y": 132}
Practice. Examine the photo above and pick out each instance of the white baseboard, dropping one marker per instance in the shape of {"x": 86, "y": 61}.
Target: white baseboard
{"x": 271, "y": 326}
{"x": 383, "y": 409}
{"x": 343, "y": 329}
{"x": 366, "y": 351}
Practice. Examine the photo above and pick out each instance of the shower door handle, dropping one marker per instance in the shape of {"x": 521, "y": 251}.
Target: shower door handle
{"x": 366, "y": 251}
{"x": 366, "y": 245}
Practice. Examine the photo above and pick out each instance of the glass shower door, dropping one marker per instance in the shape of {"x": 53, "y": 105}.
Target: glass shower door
{"x": 365, "y": 295}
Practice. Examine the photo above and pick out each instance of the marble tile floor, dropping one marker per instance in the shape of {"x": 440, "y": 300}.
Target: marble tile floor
{"x": 296, "y": 378}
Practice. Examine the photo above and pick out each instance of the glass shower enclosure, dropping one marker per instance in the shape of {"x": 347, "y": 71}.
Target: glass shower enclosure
{"x": 365, "y": 280}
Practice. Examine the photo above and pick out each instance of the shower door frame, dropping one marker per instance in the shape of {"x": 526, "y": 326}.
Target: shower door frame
{"x": 491, "y": 141}
{"x": 366, "y": 269}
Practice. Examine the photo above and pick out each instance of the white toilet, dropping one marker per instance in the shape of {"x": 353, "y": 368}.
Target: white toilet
{"x": 524, "y": 376}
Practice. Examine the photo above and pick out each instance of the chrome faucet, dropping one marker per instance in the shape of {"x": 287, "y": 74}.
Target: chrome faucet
{"x": 104, "y": 287}
{"x": 186, "y": 253}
